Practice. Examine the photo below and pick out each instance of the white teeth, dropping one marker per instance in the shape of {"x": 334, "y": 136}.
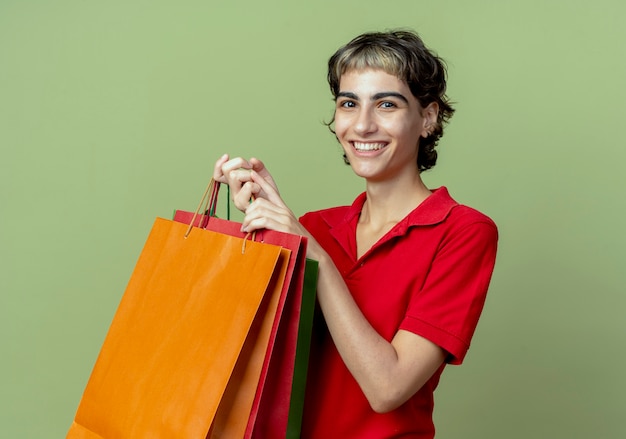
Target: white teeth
{"x": 368, "y": 146}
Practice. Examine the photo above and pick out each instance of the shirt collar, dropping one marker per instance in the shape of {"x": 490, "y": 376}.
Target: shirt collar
{"x": 431, "y": 211}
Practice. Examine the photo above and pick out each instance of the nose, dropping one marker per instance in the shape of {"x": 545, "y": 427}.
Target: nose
{"x": 365, "y": 122}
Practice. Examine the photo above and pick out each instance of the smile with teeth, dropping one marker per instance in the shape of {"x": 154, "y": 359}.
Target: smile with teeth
{"x": 360, "y": 146}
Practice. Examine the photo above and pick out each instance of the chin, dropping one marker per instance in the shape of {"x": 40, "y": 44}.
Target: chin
{"x": 364, "y": 172}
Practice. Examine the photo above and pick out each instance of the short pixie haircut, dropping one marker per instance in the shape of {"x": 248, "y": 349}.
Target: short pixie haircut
{"x": 402, "y": 54}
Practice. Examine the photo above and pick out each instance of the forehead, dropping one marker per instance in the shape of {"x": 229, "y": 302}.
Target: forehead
{"x": 371, "y": 80}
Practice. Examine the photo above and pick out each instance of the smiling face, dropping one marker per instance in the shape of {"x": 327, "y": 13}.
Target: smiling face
{"x": 379, "y": 122}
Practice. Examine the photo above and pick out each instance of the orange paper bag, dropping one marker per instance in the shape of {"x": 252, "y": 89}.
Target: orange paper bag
{"x": 177, "y": 334}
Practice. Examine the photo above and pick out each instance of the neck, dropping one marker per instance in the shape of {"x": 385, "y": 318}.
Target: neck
{"x": 390, "y": 201}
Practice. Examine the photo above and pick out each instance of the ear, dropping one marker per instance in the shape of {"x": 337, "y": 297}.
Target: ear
{"x": 429, "y": 114}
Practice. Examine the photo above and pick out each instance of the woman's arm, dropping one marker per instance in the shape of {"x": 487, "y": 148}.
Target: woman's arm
{"x": 388, "y": 373}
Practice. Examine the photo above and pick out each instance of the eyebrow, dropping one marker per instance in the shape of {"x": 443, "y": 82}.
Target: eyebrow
{"x": 377, "y": 96}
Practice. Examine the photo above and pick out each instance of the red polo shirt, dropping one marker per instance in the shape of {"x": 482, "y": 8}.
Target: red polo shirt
{"x": 428, "y": 275}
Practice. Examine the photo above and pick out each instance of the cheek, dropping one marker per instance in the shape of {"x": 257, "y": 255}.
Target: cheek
{"x": 341, "y": 126}
{"x": 410, "y": 130}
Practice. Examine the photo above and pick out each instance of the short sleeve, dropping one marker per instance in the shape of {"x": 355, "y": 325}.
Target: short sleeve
{"x": 447, "y": 308}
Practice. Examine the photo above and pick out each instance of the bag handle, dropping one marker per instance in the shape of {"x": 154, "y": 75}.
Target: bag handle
{"x": 209, "y": 199}
{"x": 208, "y": 204}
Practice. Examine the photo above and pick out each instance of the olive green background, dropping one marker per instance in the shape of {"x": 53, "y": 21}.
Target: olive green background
{"x": 113, "y": 112}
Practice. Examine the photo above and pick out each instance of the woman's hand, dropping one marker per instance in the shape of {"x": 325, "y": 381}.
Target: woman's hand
{"x": 236, "y": 174}
{"x": 268, "y": 210}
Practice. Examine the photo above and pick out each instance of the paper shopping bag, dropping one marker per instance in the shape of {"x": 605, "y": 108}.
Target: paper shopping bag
{"x": 276, "y": 410}
{"x": 176, "y": 336}
{"x": 305, "y": 329}
{"x": 280, "y": 401}
{"x": 236, "y": 417}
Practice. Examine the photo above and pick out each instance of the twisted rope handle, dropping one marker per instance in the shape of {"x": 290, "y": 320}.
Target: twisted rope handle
{"x": 208, "y": 204}
{"x": 209, "y": 199}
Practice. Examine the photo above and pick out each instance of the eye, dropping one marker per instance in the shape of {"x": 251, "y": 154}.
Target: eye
{"x": 346, "y": 104}
{"x": 387, "y": 104}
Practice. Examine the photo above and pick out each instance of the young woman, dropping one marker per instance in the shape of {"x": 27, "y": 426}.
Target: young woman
{"x": 404, "y": 270}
